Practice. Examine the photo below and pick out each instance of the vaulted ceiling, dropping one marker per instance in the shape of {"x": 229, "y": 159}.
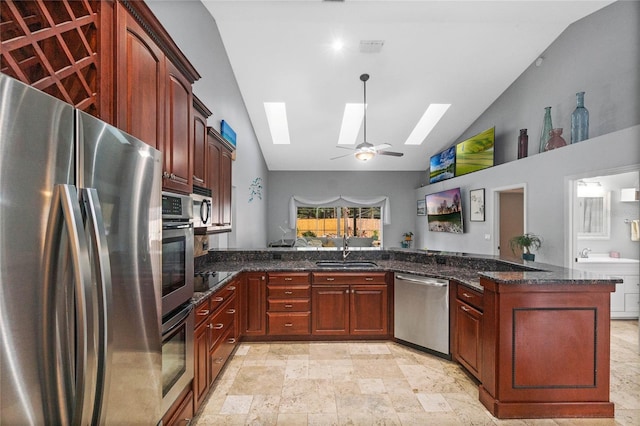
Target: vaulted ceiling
{"x": 463, "y": 53}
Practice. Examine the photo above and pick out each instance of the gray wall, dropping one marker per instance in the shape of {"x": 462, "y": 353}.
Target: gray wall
{"x": 398, "y": 186}
{"x": 600, "y": 55}
{"x": 196, "y": 33}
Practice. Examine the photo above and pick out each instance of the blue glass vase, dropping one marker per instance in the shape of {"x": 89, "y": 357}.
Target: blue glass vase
{"x": 546, "y": 129}
{"x": 579, "y": 120}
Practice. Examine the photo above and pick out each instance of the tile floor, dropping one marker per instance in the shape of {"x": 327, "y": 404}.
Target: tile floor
{"x": 381, "y": 383}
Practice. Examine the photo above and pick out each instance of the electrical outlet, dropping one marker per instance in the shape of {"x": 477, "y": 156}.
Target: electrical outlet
{"x": 487, "y": 236}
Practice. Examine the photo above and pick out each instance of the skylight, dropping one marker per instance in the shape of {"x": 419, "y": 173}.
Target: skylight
{"x": 429, "y": 119}
{"x": 278, "y": 125}
{"x": 351, "y": 121}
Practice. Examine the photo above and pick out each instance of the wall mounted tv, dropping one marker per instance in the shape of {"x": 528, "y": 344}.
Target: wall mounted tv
{"x": 442, "y": 165}
{"x": 475, "y": 153}
{"x": 444, "y": 211}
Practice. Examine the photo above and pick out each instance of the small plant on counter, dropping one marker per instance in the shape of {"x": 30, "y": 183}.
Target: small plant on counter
{"x": 408, "y": 236}
{"x": 526, "y": 243}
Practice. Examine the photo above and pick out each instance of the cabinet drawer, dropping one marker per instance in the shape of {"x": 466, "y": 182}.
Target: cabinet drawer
{"x": 292, "y": 305}
{"x": 221, "y": 321}
{"x": 220, "y": 353}
{"x": 288, "y": 277}
{"x": 288, "y": 291}
{"x": 222, "y": 295}
{"x": 472, "y": 297}
{"x": 202, "y": 312}
{"x": 349, "y": 278}
{"x": 289, "y": 323}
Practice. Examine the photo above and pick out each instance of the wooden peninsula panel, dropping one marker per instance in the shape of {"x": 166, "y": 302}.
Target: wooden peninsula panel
{"x": 546, "y": 349}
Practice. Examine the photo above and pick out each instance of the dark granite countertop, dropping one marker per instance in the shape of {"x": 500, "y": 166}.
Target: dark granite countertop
{"x": 462, "y": 267}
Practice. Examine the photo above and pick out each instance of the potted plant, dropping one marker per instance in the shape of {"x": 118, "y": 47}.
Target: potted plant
{"x": 408, "y": 236}
{"x": 526, "y": 243}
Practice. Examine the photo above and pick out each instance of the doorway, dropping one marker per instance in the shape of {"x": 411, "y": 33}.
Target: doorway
{"x": 509, "y": 219}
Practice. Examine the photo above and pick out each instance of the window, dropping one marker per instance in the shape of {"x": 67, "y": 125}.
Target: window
{"x": 336, "y": 222}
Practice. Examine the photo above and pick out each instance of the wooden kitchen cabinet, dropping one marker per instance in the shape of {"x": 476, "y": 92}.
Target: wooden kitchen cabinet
{"x": 219, "y": 160}
{"x": 253, "y": 304}
{"x": 288, "y": 304}
{"x": 350, "y": 304}
{"x": 215, "y": 338}
{"x": 181, "y": 413}
{"x": 467, "y": 328}
{"x": 200, "y": 115}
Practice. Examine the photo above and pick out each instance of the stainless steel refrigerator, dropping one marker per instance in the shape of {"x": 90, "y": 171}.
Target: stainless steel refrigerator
{"x": 80, "y": 267}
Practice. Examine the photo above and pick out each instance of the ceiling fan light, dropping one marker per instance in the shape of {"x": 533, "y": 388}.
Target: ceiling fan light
{"x": 365, "y": 155}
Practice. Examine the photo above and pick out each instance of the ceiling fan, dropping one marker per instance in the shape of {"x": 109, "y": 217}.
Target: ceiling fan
{"x": 366, "y": 151}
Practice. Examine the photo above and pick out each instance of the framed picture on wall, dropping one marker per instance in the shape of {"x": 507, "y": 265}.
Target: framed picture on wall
{"x": 477, "y": 205}
{"x": 422, "y": 208}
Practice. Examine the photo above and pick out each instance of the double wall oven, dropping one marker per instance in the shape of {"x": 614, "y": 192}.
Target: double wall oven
{"x": 177, "y": 291}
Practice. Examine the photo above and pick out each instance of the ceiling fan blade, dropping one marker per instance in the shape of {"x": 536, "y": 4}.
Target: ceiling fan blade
{"x": 382, "y": 146}
{"x": 345, "y": 147}
{"x": 340, "y": 156}
{"x": 391, "y": 153}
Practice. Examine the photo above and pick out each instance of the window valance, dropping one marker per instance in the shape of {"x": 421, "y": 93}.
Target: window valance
{"x": 341, "y": 201}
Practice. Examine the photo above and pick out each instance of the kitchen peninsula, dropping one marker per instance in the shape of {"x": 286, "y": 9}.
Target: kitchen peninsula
{"x": 542, "y": 331}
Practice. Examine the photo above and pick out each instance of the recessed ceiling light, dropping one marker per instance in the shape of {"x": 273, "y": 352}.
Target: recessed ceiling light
{"x": 351, "y": 122}
{"x": 337, "y": 45}
{"x": 429, "y": 119}
{"x": 278, "y": 125}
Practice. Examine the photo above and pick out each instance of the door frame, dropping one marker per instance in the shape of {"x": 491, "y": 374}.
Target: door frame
{"x": 496, "y": 211}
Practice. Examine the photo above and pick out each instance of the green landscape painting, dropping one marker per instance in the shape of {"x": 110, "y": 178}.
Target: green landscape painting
{"x": 475, "y": 153}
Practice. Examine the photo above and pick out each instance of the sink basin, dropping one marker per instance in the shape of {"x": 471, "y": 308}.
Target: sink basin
{"x": 354, "y": 264}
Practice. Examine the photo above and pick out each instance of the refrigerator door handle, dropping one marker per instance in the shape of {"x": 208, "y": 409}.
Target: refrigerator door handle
{"x": 100, "y": 256}
{"x": 65, "y": 388}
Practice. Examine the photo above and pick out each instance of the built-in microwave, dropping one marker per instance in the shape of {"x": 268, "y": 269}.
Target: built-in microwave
{"x": 177, "y": 251}
{"x": 202, "y": 209}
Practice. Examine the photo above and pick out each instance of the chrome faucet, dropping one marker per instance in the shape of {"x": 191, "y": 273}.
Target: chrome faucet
{"x": 345, "y": 248}
{"x": 584, "y": 253}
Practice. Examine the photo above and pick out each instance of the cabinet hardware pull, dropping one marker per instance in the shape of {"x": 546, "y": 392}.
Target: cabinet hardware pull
{"x": 346, "y": 291}
{"x": 232, "y": 340}
{"x": 218, "y": 299}
{"x": 231, "y": 288}
{"x": 288, "y": 279}
{"x": 218, "y": 361}
{"x": 203, "y": 313}
{"x": 262, "y": 278}
{"x": 165, "y": 175}
{"x": 185, "y": 422}
{"x": 197, "y": 179}
{"x": 467, "y": 295}
{"x": 288, "y": 324}
{"x": 288, "y": 306}
{"x": 464, "y": 308}
{"x": 218, "y": 326}
{"x": 288, "y": 292}
{"x": 231, "y": 311}
{"x": 368, "y": 279}
{"x": 173, "y": 176}
{"x": 330, "y": 279}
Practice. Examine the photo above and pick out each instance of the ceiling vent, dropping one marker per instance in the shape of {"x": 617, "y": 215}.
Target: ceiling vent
{"x": 371, "y": 46}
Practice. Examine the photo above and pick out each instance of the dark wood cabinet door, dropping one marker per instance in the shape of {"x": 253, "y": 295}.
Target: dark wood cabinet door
{"x": 468, "y": 329}
{"x": 254, "y": 304}
{"x": 225, "y": 186}
{"x": 369, "y": 314}
{"x": 141, "y": 82}
{"x": 330, "y": 310}
{"x": 201, "y": 371}
{"x": 178, "y": 146}
{"x": 214, "y": 154}
{"x": 199, "y": 136}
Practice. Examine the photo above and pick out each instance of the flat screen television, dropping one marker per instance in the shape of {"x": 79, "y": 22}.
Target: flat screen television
{"x": 444, "y": 211}
{"x": 475, "y": 153}
{"x": 442, "y": 165}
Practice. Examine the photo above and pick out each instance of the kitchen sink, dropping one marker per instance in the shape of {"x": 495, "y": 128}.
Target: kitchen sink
{"x": 353, "y": 264}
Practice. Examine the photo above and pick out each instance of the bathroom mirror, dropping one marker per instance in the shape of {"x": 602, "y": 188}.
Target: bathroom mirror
{"x": 593, "y": 217}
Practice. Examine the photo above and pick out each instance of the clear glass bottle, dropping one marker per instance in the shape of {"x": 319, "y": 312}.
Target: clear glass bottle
{"x": 579, "y": 120}
{"x": 523, "y": 144}
{"x": 546, "y": 128}
{"x": 556, "y": 140}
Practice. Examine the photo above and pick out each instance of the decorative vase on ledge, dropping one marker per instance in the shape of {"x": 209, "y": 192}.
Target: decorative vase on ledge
{"x": 556, "y": 140}
{"x": 579, "y": 120}
{"x": 523, "y": 144}
{"x": 546, "y": 128}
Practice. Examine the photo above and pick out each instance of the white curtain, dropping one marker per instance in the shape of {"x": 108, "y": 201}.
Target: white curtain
{"x": 341, "y": 201}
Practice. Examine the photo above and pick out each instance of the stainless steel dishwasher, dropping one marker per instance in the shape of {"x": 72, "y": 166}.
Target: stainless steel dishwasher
{"x": 421, "y": 313}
